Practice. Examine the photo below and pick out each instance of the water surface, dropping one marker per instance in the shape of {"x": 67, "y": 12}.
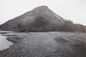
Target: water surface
{"x": 4, "y": 43}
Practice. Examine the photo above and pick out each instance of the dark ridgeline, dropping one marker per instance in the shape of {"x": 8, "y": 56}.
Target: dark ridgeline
{"x": 69, "y": 26}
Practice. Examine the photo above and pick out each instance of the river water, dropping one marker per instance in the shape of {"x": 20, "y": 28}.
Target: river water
{"x": 4, "y": 43}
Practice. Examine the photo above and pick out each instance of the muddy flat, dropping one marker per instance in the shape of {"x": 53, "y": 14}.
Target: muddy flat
{"x": 46, "y": 44}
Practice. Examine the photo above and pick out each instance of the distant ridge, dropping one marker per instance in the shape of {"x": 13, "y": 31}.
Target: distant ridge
{"x": 39, "y": 19}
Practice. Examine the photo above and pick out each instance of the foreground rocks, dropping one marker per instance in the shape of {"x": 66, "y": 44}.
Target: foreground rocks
{"x": 48, "y": 44}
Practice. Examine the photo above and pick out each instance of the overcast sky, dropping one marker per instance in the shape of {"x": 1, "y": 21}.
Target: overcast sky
{"x": 74, "y": 10}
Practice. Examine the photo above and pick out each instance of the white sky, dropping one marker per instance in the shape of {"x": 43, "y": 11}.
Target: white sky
{"x": 74, "y": 10}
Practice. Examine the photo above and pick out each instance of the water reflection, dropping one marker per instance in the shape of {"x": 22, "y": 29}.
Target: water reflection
{"x": 4, "y": 43}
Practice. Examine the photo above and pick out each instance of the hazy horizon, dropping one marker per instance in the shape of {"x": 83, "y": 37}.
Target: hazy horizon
{"x": 74, "y": 10}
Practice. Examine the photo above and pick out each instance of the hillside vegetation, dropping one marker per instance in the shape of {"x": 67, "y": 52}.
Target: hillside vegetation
{"x": 41, "y": 19}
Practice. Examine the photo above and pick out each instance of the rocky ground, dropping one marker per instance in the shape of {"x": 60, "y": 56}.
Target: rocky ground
{"x": 46, "y": 44}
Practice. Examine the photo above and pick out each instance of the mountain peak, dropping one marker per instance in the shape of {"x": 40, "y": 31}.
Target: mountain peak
{"x": 42, "y": 7}
{"x": 39, "y": 19}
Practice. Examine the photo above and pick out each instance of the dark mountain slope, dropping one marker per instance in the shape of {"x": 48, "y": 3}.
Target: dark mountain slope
{"x": 39, "y": 19}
